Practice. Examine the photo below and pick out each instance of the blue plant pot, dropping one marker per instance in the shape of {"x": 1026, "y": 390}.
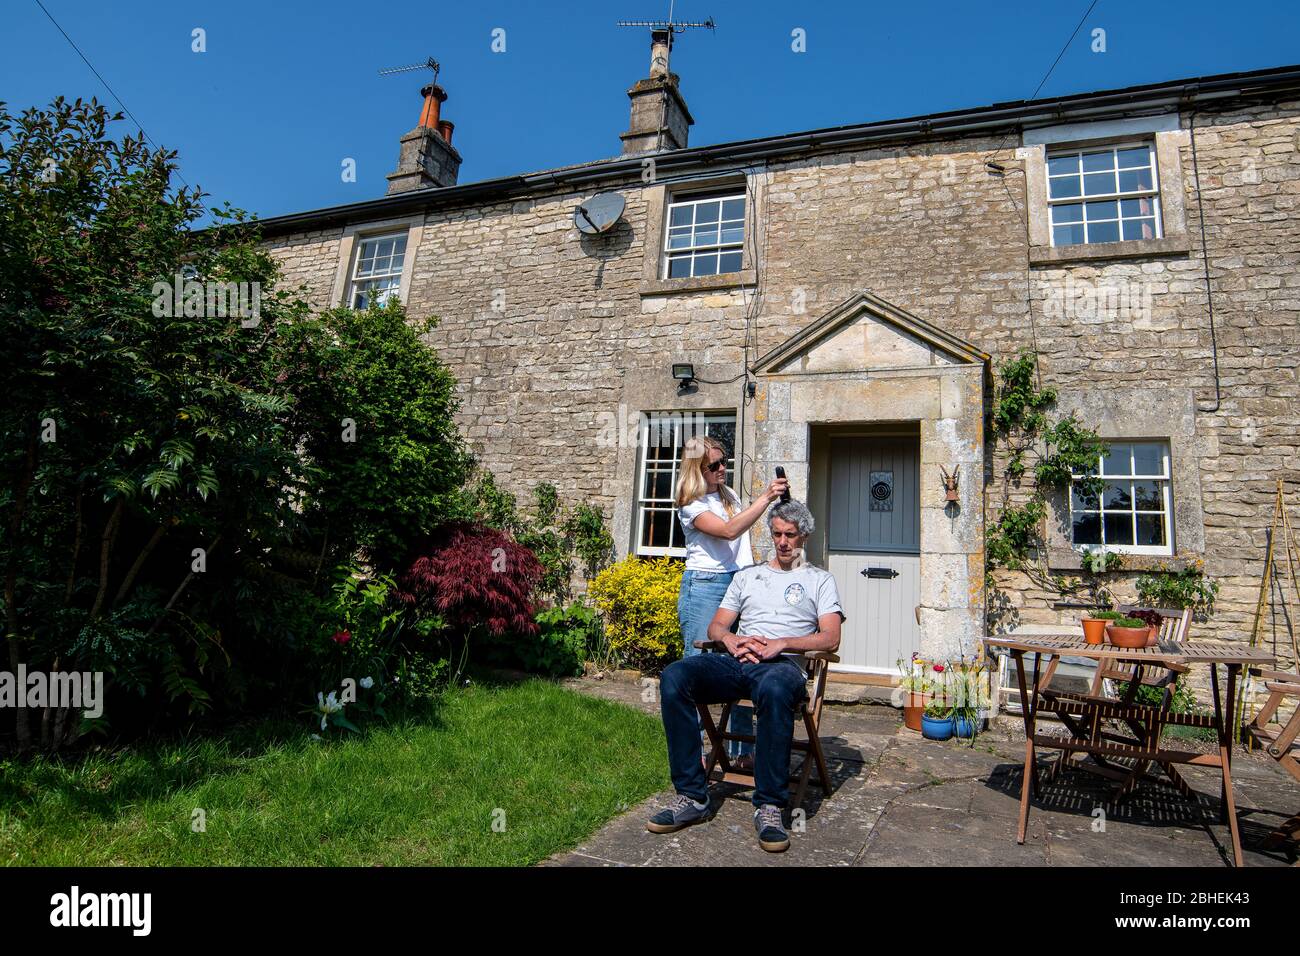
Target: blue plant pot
{"x": 966, "y": 729}
{"x": 936, "y": 728}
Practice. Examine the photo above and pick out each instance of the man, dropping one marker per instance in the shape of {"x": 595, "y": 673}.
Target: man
{"x": 785, "y": 606}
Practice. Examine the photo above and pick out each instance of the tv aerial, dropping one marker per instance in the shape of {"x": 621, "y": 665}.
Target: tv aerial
{"x": 429, "y": 64}
{"x": 598, "y": 214}
{"x": 669, "y": 26}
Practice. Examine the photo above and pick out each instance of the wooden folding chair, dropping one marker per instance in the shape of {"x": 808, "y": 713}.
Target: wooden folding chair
{"x": 1280, "y": 743}
{"x": 817, "y": 666}
{"x": 1175, "y": 626}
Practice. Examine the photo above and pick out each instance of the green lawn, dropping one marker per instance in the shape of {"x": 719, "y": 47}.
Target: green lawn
{"x": 557, "y": 763}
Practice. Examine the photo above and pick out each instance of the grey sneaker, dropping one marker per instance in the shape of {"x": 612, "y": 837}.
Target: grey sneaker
{"x": 682, "y": 812}
{"x": 771, "y": 832}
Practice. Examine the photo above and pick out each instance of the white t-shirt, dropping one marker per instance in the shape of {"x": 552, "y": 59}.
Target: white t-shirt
{"x": 705, "y": 552}
{"x": 776, "y": 603}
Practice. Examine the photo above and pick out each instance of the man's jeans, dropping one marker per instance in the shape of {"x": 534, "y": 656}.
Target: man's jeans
{"x": 776, "y": 688}
{"x": 701, "y": 593}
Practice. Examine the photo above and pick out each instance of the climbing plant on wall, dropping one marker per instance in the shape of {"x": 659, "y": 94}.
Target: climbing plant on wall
{"x": 1054, "y": 449}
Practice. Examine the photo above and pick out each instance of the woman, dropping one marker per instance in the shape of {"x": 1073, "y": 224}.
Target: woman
{"x": 717, "y": 546}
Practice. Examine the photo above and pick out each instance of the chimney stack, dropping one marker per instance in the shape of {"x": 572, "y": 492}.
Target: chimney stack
{"x": 427, "y": 158}
{"x": 660, "y": 119}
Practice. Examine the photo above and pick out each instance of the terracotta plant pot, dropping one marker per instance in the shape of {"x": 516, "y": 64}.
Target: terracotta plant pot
{"x": 1154, "y": 637}
{"x": 1094, "y": 630}
{"x": 1128, "y": 636}
{"x": 913, "y": 708}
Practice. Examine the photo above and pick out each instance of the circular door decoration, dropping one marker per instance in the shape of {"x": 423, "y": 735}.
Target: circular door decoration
{"x": 882, "y": 491}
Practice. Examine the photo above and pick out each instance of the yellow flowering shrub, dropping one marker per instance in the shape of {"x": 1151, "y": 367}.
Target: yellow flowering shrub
{"x": 637, "y": 600}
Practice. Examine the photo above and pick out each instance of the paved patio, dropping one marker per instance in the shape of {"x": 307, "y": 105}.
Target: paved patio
{"x": 902, "y": 800}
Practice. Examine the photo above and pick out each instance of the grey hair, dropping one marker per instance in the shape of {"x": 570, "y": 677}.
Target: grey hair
{"x": 795, "y": 512}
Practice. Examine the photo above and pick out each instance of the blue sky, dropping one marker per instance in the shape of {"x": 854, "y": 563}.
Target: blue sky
{"x": 287, "y": 90}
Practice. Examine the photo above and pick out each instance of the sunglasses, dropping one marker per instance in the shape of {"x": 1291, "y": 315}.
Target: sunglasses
{"x": 715, "y": 466}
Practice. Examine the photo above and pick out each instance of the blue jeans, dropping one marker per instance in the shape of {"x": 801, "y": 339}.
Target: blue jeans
{"x": 776, "y": 688}
{"x": 700, "y": 596}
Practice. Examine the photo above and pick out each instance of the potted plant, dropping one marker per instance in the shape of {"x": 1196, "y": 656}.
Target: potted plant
{"x": 1095, "y": 564}
{"x": 968, "y": 699}
{"x": 1128, "y": 632}
{"x": 1153, "y": 620}
{"x": 937, "y": 721}
{"x": 916, "y": 688}
{"x": 1094, "y": 625}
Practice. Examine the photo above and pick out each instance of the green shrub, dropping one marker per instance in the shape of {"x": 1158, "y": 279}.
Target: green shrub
{"x": 637, "y": 600}
{"x": 564, "y": 636}
{"x": 1184, "y": 588}
{"x": 392, "y": 476}
{"x": 372, "y": 651}
{"x": 554, "y": 534}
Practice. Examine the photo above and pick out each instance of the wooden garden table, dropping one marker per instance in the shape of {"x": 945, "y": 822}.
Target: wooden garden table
{"x": 1084, "y": 714}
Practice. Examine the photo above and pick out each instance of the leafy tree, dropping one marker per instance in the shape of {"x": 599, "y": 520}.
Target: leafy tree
{"x": 169, "y": 481}
{"x": 374, "y": 413}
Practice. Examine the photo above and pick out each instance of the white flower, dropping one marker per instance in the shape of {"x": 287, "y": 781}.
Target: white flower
{"x": 367, "y": 683}
{"x": 326, "y": 706}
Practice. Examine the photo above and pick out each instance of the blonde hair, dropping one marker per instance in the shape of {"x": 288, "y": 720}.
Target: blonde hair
{"x": 691, "y": 483}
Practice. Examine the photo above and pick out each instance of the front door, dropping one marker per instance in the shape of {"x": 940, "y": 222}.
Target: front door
{"x": 873, "y": 548}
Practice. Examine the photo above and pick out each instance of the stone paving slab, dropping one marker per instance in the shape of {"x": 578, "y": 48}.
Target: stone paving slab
{"x": 901, "y": 800}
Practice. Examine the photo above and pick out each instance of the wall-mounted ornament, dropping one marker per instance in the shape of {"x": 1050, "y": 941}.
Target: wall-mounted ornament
{"x": 950, "y": 484}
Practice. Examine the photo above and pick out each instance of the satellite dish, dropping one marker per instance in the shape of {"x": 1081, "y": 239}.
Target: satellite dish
{"x": 599, "y": 213}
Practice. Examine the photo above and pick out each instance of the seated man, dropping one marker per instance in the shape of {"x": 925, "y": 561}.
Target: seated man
{"x": 784, "y": 605}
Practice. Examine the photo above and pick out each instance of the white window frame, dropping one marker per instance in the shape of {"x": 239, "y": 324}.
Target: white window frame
{"x": 1118, "y": 197}
{"x": 693, "y": 252}
{"x": 390, "y": 275}
{"x": 1166, "y": 497}
{"x": 645, "y": 505}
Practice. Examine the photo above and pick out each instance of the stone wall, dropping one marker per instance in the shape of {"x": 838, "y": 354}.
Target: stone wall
{"x": 544, "y": 329}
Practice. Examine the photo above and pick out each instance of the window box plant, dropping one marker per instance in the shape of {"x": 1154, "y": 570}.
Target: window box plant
{"x": 1128, "y": 632}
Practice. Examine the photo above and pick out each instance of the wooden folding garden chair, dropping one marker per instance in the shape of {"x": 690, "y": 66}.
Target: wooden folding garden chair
{"x": 1174, "y": 627}
{"x": 817, "y": 666}
{"x": 1280, "y": 743}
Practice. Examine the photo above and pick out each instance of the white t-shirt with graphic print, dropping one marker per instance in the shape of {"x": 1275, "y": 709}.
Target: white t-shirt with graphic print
{"x": 706, "y": 552}
{"x": 776, "y": 603}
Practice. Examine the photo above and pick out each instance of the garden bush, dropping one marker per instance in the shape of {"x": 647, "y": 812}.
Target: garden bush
{"x": 637, "y": 600}
{"x": 476, "y": 578}
{"x": 554, "y": 534}
{"x": 563, "y": 641}
{"x": 176, "y": 480}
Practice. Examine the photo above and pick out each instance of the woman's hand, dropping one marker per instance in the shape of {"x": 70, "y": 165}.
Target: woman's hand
{"x": 776, "y": 489}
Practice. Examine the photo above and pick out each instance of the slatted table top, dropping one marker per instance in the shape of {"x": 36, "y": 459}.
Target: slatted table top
{"x": 1185, "y": 652}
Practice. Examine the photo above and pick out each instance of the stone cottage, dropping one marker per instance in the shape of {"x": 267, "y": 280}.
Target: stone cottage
{"x": 838, "y": 302}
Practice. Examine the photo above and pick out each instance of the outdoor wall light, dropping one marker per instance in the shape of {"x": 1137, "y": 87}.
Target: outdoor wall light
{"x": 684, "y": 372}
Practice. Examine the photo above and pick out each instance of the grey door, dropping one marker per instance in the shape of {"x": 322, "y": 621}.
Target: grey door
{"x": 873, "y": 548}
